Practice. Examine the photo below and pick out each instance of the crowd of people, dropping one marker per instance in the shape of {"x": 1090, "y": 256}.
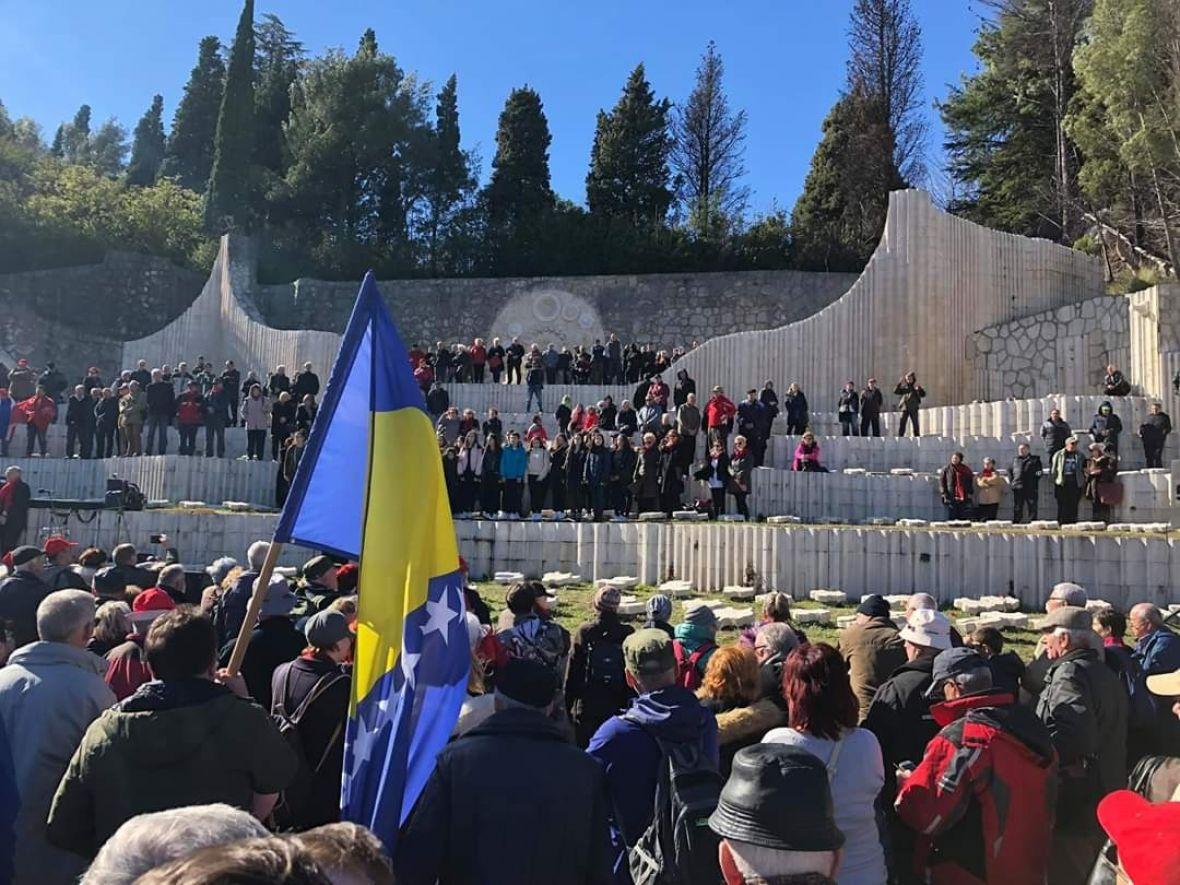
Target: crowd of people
{"x": 619, "y": 753}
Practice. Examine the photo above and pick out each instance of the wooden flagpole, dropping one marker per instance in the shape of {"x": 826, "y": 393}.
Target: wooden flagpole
{"x": 260, "y": 586}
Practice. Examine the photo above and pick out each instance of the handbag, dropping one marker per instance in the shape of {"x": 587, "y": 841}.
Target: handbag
{"x": 1108, "y": 493}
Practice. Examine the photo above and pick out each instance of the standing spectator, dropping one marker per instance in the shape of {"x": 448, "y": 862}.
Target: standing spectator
{"x": 979, "y": 798}
{"x": 282, "y": 422}
{"x": 565, "y": 366}
{"x": 563, "y": 414}
{"x": 530, "y": 632}
{"x": 1054, "y": 432}
{"x": 59, "y": 572}
{"x": 729, "y": 690}
{"x": 750, "y": 422}
{"x": 256, "y": 417}
{"x": 15, "y": 495}
{"x": 773, "y": 641}
{"x": 176, "y": 725}
{"x": 306, "y": 383}
{"x": 741, "y": 467}
{"x": 6, "y": 425}
{"x": 106, "y": 424}
{"x": 1084, "y": 706}
{"x": 989, "y": 489}
{"x": 822, "y": 720}
{"x": 449, "y": 453}
{"x": 627, "y": 421}
{"x": 491, "y": 482}
{"x": 449, "y": 424}
{"x": 1115, "y": 383}
{"x": 631, "y": 747}
{"x": 22, "y": 381}
{"x": 1068, "y": 468}
{"x": 1102, "y": 488}
{"x": 622, "y": 469}
{"x": 872, "y": 649}
{"x": 872, "y": 400}
{"x": 535, "y": 381}
{"x": 714, "y": 473}
{"x": 479, "y": 360}
{"x": 514, "y": 467}
{"x": 79, "y": 423}
{"x": 684, "y": 388}
{"x": 558, "y": 477}
{"x": 659, "y": 390}
{"x": 695, "y": 642}
{"x": 424, "y": 376}
{"x": 595, "y": 682}
{"x": 575, "y": 475}
{"x": 549, "y": 361}
{"x": 1025, "y": 477}
{"x": 141, "y": 374}
{"x": 190, "y": 415}
{"x": 1157, "y": 651}
{"x": 50, "y": 691}
{"x": 912, "y": 394}
{"x": 273, "y": 641}
{"x": 54, "y": 382}
{"x": 496, "y": 356}
{"x": 769, "y": 399}
{"x": 538, "y": 474}
{"x": 231, "y": 380}
{"x": 650, "y": 415}
{"x": 719, "y": 412}
{"x": 806, "y": 458}
{"x": 1106, "y": 427}
{"x": 20, "y": 595}
{"x": 1006, "y": 666}
{"x": 596, "y": 474}
{"x": 278, "y": 382}
{"x": 514, "y": 355}
{"x": 671, "y": 474}
{"x": 132, "y": 412}
{"x": 956, "y": 484}
{"x": 1154, "y": 432}
{"x": 614, "y": 360}
{"x": 39, "y": 412}
{"x": 658, "y": 612}
{"x": 437, "y": 400}
{"x": 688, "y": 425}
{"x": 493, "y": 426}
{"x": 161, "y": 407}
{"x": 92, "y": 379}
{"x": 455, "y": 836}
{"x": 608, "y": 413}
{"x": 181, "y": 377}
{"x": 470, "y": 469}
{"x": 289, "y": 456}
{"x": 848, "y": 410}
{"x": 219, "y": 412}
{"x": 796, "y": 410}
{"x": 647, "y": 475}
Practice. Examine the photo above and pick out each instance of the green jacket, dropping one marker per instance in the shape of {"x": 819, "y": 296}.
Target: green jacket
{"x": 1057, "y": 468}
{"x": 189, "y": 742}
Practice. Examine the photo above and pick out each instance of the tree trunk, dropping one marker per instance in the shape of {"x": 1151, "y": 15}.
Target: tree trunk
{"x": 1159, "y": 196}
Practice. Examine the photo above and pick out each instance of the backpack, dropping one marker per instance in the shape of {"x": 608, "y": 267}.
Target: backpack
{"x": 604, "y": 665}
{"x": 295, "y": 798}
{"x": 520, "y": 646}
{"x": 678, "y": 847}
{"x": 688, "y": 674}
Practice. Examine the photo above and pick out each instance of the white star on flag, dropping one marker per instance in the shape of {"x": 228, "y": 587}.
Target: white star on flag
{"x": 440, "y": 616}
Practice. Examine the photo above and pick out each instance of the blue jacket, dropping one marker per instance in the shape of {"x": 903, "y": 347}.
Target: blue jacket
{"x": 597, "y": 468}
{"x": 631, "y": 757}
{"x": 5, "y": 415}
{"x": 1158, "y": 652}
{"x": 9, "y": 802}
{"x": 514, "y": 461}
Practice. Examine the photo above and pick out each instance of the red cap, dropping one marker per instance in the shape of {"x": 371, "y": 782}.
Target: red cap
{"x": 1147, "y": 836}
{"x": 463, "y": 568}
{"x": 56, "y": 545}
{"x": 153, "y": 600}
{"x": 7, "y": 559}
{"x": 346, "y": 576}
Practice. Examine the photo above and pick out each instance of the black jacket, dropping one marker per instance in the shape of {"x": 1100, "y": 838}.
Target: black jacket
{"x": 1026, "y": 471}
{"x": 1154, "y": 429}
{"x": 20, "y": 594}
{"x": 911, "y": 396}
{"x": 437, "y": 401}
{"x": 647, "y": 473}
{"x": 1007, "y": 669}
{"x": 871, "y": 402}
{"x": 305, "y": 383}
{"x": 900, "y": 717}
{"x": 509, "y": 803}
{"x": 80, "y": 413}
{"x": 161, "y": 399}
{"x": 106, "y": 412}
{"x": 275, "y": 641}
{"x": 591, "y": 697}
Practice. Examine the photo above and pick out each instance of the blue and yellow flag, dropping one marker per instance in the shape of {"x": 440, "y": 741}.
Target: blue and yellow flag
{"x": 370, "y": 485}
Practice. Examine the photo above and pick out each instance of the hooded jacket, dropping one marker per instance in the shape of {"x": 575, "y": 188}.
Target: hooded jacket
{"x": 49, "y": 693}
{"x": 983, "y": 796}
{"x": 630, "y": 757}
{"x": 900, "y": 716}
{"x": 186, "y": 742}
{"x": 509, "y": 803}
{"x": 873, "y": 651}
{"x": 591, "y": 697}
{"x": 20, "y": 594}
{"x": 1106, "y": 426}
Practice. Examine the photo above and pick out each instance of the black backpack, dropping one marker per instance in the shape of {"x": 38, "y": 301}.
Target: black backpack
{"x": 294, "y": 799}
{"x": 604, "y": 664}
{"x": 678, "y": 847}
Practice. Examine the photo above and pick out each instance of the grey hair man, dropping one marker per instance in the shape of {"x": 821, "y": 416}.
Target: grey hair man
{"x": 147, "y": 841}
{"x": 50, "y": 691}
{"x": 1084, "y": 706}
{"x": 1062, "y": 594}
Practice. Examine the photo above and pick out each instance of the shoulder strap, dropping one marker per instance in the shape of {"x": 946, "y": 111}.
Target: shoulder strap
{"x": 834, "y": 759}
{"x": 279, "y": 701}
{"x": 322, "y": 685}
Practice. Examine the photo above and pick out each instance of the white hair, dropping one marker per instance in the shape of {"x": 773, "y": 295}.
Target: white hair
{"x": 62, "y": 613}
{"x": 256, "y": 555}
{"x": 1077, "y": 638}
{"x": 169, "y": 573}
{"x": 147, "y": 841}
{"x": 112, "y": 621}
{"x": 777, "y": 637}
{"x": 1069, "y": 593}
{"x": 757, "y": 863}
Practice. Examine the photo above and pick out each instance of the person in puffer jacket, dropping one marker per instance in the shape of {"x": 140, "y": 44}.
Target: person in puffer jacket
{"x": 1106, "y": 427}
{"x": 190, "y": 415}
{"x": 981, "y": 800}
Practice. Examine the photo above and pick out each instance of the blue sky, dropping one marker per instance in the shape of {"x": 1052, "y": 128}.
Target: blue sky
{"x": 784, "y": 61}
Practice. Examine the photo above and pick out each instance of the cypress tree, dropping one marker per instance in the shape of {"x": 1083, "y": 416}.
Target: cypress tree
{"x": 450, "y": 178}
{"x": 228, "y": 197}
{"x": 189, "y": 155}
{"x": 280, "y": 56}
{"x": 147, "y": 149}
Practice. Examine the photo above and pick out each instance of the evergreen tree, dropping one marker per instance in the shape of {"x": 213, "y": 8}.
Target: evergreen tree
{"x": 709, "y": 143}
{"x": 230, "y": 195}
{"x": 628, "y": 174}
{"x": 189, "y": 156}
{"x": 76, "y": 136}
{"x": 519, "y": 197}
{"x": 106, "y": 149}
{"x": 147, "y": 150}
{"x": 58, "y": 147}
{"x": 279, "y": 57}
{"x": 450, "y": 180}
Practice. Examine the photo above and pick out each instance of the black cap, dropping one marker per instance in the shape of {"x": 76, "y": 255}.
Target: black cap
{"x": 874, "y": 606}
{"x": 26, "y": 554}
{"x": 951, "y": 663}
{"x": 109, "y": 581}
{"x": 528, "y": 682}
{"x": 778, "y": 797}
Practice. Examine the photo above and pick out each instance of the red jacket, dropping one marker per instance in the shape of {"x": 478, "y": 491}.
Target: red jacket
{"x": 983, "y": 797}
{"x": 719, "y": 411}
{"x": 128, "y": 667}
{"x": 479, "y": 354}
{"x": 191, "y": 409}
{"x": 40, "y": 411}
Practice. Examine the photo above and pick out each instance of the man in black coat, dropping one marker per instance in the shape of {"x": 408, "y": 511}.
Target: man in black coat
{"x": 14, "y": 505}
{"x": 595, "y": 681}
{"x": 871, "y": 401}
{"x": 306, "y": 382}
{"x": 511, "y": 800}
{"x": 1154, "y": 432}
{"x": 1025, "y": 478}
{"x": 80, "y": 422}
{"x": 20, "y": 594}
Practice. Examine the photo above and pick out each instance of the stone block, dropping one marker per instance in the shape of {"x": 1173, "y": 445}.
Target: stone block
{"x": 820, "y": 616}
{"x": 1044, "y": 524}
{"x": 845, "y": 621}
{"x": 652, "y": 516}
{"x": 731, "y": 517}
{"x": 898, "y": 602}
{"x": 677, "y": 589}
{"x": 560, "y": 579}
{"x": 783, "y": 520}
{"x": 689, "y": 516}
{"x": 828, "y": 597}
{"x": 623, "y": 582}
{"x": 1096, "y": 605}
{"x": 507, "y": 577}
{"x": 740, "y": 593}
{"x": 734, "y": 618}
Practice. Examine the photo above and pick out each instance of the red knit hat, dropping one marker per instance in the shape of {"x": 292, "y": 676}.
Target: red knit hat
{"x": 153, "y": 600}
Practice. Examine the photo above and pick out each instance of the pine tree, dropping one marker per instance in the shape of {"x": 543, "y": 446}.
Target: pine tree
{"x": 76, "y": 136}
{"x": 709, "y": 143}
{"x": 189, "y": 156}
{"x": 279, "y": 58}
{"x": 519, "y": 196}
{"x": 147, "y": 150}
{"x": 450, "y": 180}
{"x": 58, "y": 147}
{"x": 229, "y": 196}
{"x": 107, "y": 148}
{"x": 628, "y": 174}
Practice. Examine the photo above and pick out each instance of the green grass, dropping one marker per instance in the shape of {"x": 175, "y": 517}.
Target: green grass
{"x": 575, "y": 606}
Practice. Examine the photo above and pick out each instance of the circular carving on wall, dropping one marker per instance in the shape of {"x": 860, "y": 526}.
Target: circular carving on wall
{"x": 547, "y": 307}
{"x": 545, "y": 316}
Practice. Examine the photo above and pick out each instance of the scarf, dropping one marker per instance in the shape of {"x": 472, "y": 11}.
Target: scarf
{"x": 6, "y": 492}
{"x": 961, "y": 472}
